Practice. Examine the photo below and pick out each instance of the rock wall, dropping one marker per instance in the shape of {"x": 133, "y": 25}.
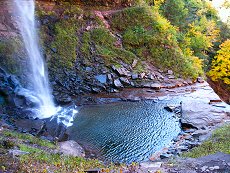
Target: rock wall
{"x": 8, "y": 27}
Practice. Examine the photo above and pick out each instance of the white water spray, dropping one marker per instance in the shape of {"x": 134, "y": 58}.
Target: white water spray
{"x": 25, "y": 9}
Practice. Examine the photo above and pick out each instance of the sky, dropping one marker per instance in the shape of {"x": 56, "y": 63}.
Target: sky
{"x": 223, "y": 12}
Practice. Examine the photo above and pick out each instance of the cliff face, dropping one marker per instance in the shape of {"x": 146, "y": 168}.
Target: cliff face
{"x": 7, "y": 25}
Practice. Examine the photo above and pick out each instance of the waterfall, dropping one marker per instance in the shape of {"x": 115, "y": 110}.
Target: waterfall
{"x": 25, "y": 10}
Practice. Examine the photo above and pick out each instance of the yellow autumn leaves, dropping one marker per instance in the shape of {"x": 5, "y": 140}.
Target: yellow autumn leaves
{"x": 221, "y": 64}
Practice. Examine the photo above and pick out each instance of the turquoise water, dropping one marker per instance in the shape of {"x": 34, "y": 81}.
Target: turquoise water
{"x": 125, "y": 131}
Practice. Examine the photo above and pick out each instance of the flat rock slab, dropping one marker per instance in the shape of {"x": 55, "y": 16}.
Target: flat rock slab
{"x": 215, "y": 163}
{"x": 197, "y": 111}
{"x": 71, "y": 148}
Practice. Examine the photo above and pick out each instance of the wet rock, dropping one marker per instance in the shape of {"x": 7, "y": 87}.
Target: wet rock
{"x": 71, "y": 148}
{"x": 151, "y": 77}
{"x": 156, "y": 86}
{"x": 200, "y": 80}
{"x": 171, "y": 108}
{"x": 118, "y": 84}
{"x": 89, "y": 69}
{"x": 214, "y": 168}
{"x": 189, "y": 130}
{"x": 204, "y": 168}
{"x": 192, "y": 144}
{"x": 165, "y": 156}
{"x": 101, "y": 78}
{"x": 64, "y": 99}
{"x": 124, "y": 81}
{"x": 110, "y": 77}
{"x": 134, "y": 76}
{"x": 30, "y": 125}
{"x": 120, "y": 71}
{"x": 183, "y": 148}
{"x": 96, "y": 90}
{"x": 159, "y": 76}
{"x": 200, "y": 132}
{"x": 146, "y": 85}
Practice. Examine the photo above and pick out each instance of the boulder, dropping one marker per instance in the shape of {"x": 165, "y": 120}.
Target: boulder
{"x": 71, "y": 148}
{"x": 120, "y": 71}
{"x": 134, "y": 76}
{"x": 156, "y": 86}
{"x": 118, "y": 84}
{"x": 151, "y": 77}
{"x": 101, "y": 78}
{"x": 109, "y": 77}
{"x": 200, "y": 80}
{"x": 124, "y": 81}
{"x": 30, "y": 125}
{"x": 64, "y": 99}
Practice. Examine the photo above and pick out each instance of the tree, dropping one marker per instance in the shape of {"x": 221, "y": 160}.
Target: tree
{"x": 221, "y": 64}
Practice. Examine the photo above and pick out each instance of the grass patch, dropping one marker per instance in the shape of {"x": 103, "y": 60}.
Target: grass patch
{"x": 55, "y": 161}
{"x": 29, "y": 138}
{"x": 42, "y": 159}
{"x": 219, "y": 142}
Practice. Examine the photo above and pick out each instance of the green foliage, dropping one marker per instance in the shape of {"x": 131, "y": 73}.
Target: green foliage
{"x": 65, "y": 42}
{"x": 175, "y": 11}
{"x": 219, "y": 142}
{"x": 153, "y": 38}
{"x": 85, "y": 47}
{"x": 102, "y": 36}
{"x": 41, "y": 156}
{"x": 104, "y": 42}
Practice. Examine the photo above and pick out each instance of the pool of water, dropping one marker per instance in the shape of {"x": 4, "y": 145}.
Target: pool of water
{"x": 125, "y": 131}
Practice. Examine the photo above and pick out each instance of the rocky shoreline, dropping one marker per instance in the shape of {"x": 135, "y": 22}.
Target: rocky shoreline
{"x": 200, "y": 111}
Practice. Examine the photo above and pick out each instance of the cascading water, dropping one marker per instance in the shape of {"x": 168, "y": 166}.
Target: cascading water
{"x": 25, "y": 10}
{"x": 39, "y": 78}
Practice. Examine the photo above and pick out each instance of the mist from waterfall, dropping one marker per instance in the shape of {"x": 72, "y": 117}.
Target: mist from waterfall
{"x": 25, "y": 10}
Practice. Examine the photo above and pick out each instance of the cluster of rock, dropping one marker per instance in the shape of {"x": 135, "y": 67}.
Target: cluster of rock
{"x": 17, "y": 97}
{"x": 100, "y": 78}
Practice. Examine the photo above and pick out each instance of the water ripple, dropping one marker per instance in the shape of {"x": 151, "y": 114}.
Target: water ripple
{"x": 125, "y": 131}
